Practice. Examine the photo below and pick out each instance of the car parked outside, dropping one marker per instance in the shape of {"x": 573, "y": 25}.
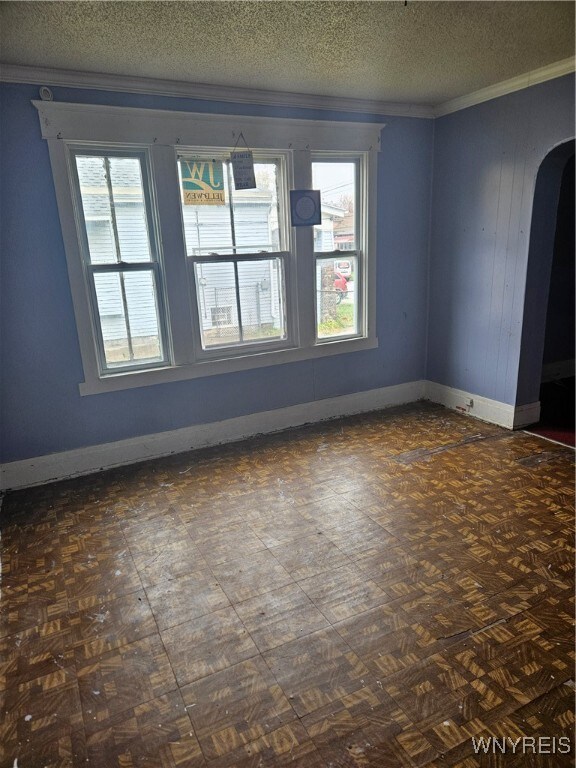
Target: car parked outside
{"x": 341, "y": 286}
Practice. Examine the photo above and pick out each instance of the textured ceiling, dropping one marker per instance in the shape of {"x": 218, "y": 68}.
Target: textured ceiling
{"x": 424, "y": 53}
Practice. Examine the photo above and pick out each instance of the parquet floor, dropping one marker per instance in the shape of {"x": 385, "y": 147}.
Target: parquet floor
{"x": 375, "y": 591}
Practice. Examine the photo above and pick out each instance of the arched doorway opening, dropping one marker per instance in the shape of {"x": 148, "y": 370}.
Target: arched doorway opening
{"x": 547, "y": 350}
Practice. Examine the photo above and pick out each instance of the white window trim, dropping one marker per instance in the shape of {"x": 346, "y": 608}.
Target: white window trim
{"x": 162, "y": 133}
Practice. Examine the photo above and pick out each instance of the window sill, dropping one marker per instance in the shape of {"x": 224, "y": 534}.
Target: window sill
{"x": 134, "y": 379}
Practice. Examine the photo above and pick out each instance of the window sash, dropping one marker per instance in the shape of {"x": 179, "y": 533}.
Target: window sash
{"x": 360, "y": 171}
{"x": 279, "y": 159}
{"x": 134, "y": 363}
{"x": 359, "y": 279}
{"x": 243, "y": 347}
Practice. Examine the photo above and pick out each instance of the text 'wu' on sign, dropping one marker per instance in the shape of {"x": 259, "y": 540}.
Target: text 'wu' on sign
{"x": 203, "y": 182}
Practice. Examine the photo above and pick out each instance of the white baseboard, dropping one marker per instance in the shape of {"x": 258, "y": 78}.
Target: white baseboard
{"x": 483, "y": 408}
{"x": 83, "y": 461}
{"x": 526, "y": 414}
{"x": 562, "y": 369}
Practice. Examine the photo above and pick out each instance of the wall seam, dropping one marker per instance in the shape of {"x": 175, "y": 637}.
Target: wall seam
{"x": 429, "y": 249}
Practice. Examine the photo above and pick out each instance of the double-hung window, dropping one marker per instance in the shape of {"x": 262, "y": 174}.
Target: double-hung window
{"x": 238, "y": 256}
{"x": 169, "y": 283}
{"x": 120, "y": 255}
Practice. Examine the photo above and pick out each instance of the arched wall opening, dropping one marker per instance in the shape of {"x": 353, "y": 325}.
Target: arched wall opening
{"x": 540, "y": 258}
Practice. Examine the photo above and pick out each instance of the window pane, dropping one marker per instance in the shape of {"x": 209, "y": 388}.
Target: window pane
{"x": 114, "y": 209}
{"x": 216, "y": 287}
{"x": 262, "y": 299}
{"x": 130, "y": 208}
{"x": 128, "y": 317}
{"x": 256, "y": 217}
{"x": 240, "y": 303}
{"x": 336, "y": 297}
{"x": 337, "y": 184}
{"x": 251, "y": 224}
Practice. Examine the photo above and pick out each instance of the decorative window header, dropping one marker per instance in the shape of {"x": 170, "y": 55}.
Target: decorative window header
{"x": 94, "y": 122}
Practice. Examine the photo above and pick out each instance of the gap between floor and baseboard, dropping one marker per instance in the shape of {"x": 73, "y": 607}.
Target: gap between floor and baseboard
{"x": 84, "y": 461}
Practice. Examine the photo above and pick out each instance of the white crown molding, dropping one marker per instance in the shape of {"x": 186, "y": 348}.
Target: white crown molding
{"x": 550, "y": 72}
{"x": 12, "y": 73}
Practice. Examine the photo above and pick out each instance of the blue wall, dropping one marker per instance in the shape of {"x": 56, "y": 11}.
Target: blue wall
{"x": 451, "y": 297}
{"x": 486, "y": 159}
{"x": 41, "y": 409}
